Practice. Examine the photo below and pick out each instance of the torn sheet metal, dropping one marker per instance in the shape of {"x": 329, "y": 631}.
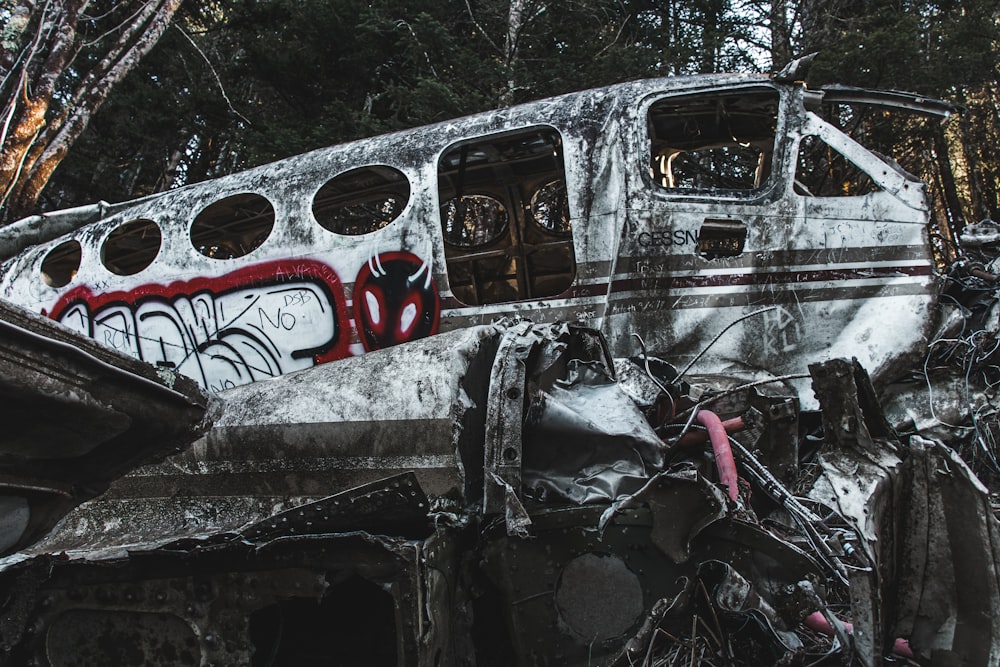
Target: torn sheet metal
{"x": 282, "y": 591}
{"x": 951, "y": 395}
{"x": 585, "y": 441}
{"x": 78, "y": 415}
{"x": 929, "y": 533}
{"x": 252, "y": 545}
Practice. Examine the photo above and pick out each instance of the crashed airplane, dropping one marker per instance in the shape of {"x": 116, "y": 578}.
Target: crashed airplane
{"x": 664, "y": 208}
{"x": 601, "y": 396}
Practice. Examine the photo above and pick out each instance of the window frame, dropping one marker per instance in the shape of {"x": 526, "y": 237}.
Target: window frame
{"x": 775, "y": 180}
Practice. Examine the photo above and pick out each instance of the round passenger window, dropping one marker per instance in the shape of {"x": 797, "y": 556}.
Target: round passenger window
{"x": 362, "y": 200}
{"x": 131, "y": 247}
{"x": 473, "y": 220}
{"x": 233, "y": 227}
{"x": 61, "y": 264}
{"x": 550, "y": 208}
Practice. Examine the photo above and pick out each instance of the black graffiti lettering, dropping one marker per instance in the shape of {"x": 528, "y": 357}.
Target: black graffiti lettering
{"x": 282, "y": 319}
{"x": 677, "y": 237}
{"x": 300, "y": 298}
{"x": 222, "y": 386}
{"x": 116, "y": 338}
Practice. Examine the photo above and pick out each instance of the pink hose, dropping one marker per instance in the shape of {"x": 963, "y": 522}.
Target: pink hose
{"x": 816, "y": 621}
{"x": 692, "y": 438}
{"x": 723, "y": 452}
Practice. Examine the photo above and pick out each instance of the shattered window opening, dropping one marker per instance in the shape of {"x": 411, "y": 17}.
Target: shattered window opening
{"x": 821, "y": 171}
{"x": 473, "y": 221}
{"x": 61, "y": 264}
{"x": 131, "y": 247}
{"x": 721, "y": 238}
{"x": 716, "y": 141}
{"x": 233, "y": 227}
{"x": 361, "y": 201}
{"x": 550, "y": 208}
{"x": 354, "y": 620}
{"x": 505, "y": 217}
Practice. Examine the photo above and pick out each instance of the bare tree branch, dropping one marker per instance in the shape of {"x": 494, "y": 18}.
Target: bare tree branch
{"x": 479, "y": 27}
{"x": 218, "y": 80}
{"x": 56, "y": 32}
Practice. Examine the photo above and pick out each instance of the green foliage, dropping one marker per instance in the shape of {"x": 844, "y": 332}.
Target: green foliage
{"x": 931, "y": 47}
{"x": 251, "y": 81}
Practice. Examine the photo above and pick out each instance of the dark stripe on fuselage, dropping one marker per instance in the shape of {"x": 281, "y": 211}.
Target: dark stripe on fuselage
{"x": 653, "y": 283}
{"x": 755, "y": 298}
{"x": 655, "y": 290}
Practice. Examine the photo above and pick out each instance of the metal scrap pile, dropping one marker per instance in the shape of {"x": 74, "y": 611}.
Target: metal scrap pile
{"x": 953, "y": 396}
{"x": 533, "y": 502}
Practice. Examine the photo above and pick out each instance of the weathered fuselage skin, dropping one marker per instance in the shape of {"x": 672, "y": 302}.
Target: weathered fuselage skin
{"x": 845, "y": 276}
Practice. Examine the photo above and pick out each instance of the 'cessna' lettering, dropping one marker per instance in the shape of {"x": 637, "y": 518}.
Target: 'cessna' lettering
{"x": 668, "y": 238}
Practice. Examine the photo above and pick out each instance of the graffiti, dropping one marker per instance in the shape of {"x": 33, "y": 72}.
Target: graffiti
{"x": 782, "y": 331}
{"x": 248, "y": 325}
{"x": 261, "y": 321}
{"x": 395, "y": 300}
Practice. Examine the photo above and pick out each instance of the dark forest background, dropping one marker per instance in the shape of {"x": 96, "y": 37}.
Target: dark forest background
{"x": 114, "y": 100}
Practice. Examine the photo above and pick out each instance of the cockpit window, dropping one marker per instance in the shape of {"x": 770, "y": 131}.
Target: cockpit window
{"x": 821, "y": 171}
{"x": 716, "y": 141}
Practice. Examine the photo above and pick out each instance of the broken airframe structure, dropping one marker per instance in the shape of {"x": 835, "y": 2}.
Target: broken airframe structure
{"x": 515, "y": 497}
{"x": 514, "y": 492}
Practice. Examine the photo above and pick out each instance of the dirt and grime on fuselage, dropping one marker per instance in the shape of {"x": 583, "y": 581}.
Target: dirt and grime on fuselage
{"x": 616, "y": 378}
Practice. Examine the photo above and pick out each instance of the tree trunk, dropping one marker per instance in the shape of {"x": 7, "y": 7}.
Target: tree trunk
{"x": 40, "y": 138}
{"x": 516, "y": 16}
{"x": 30, "y": 86}
{"x": 971, "y": 152}
{"x": 781, "y": 48}
{"x": 953, "y": 205}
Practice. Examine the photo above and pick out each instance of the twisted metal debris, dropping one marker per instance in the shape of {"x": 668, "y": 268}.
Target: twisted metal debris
{"x": 534, "y": 502}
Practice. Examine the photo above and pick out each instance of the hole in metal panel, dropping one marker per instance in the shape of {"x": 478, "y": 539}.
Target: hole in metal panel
{"x": 354, "y": 624}
{"x": 61, "y": 264}
{"x": 131, "y": 247}
{"x": 721, "y": 238}
{"x": 362, "y": 200}
{"x": 233, "y": 227}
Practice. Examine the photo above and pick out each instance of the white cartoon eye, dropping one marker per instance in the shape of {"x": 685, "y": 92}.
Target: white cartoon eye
{"x": 373, "y": 309}
{"x": 407, "y": 317}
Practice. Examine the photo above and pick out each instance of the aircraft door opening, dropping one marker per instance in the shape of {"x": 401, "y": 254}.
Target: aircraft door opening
{"x": 505, "y": 217}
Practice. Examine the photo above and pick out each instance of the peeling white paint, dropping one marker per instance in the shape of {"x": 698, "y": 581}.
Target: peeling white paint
{"x": 853, "y": 276}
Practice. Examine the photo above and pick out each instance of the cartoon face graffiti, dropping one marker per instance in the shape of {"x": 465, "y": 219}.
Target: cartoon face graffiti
{"x": 395, "y": 300}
